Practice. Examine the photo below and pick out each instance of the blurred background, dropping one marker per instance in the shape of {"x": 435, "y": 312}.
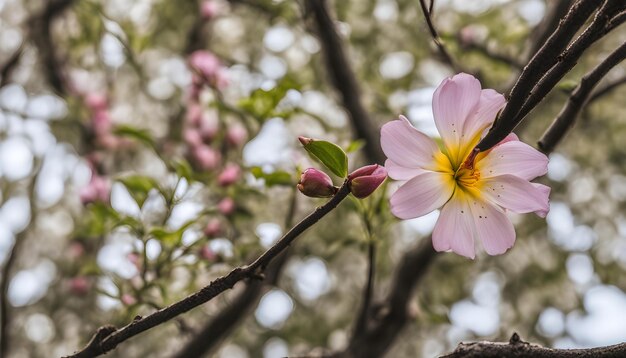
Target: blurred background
{"x": 148, "y": 147}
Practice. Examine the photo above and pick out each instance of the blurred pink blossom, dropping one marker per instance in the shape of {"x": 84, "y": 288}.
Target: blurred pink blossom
{"x": 236, "y": 135}
{"x": 209, "y": 9}
{"x": 213, "y": 228}
{"x": 226, "y": 206}
{"x": 207, "y": 254}
{"x": 96, "y": 101}
{"x": 192, "y": 137}
{"x": 128, "y": 299}
{"x": 79, "y": 285}
{"x": 229, "y": 175}
{"x": 206, "y": 157}
{"x": 209, "y": 68}
{"x": 98, "y": 189}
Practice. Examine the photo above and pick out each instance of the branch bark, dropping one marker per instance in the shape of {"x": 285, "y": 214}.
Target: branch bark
{"x": 541, "y": 62}
{"x": 577, "y": 101}
{"x": 443, "y": 52}
{"x": 252, "y": 271}
{"x": 343, "y": 79}
{"x": 518, "y": 348}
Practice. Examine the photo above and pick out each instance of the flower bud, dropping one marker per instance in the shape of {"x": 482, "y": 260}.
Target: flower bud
{"x": 98, "y": 189}
{"x": 209, "y": 9}
{"x": 79, "y": 285}
{"x": 229, "y": 175}
{"x": 226, "y": 206}
{"x": 316, "y": 184}
{"x": 305, "y": 140}
{"x": 236, "y": 135}
{"x": 365, "y": 180}
{"x": 207, "y": 254}
{"x": 96, "y": 101}
{"x": 128, "y": 299}
{"x": 206, "y": 157}
{"x": 213, "y": 228}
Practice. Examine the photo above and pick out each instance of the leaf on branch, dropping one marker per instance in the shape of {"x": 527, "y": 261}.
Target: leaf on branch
{"x": 141, "y": 135}
{"x": 139, "y": 186}
{"x": 329, "y": 154}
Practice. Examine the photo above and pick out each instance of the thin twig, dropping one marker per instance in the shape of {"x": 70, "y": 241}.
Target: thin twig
{"x": 343, "y": 79}
{"x": 9, "y": 65}
{"x": 541, "y": 62}
{"x": 215, "y": 288}
{"x": 517, "y": 348}
{"x": 607, "y": 89}
{"x": 363, "y": 317}
{"x": 443, "y": 52}
{"x": 577, "y": 101}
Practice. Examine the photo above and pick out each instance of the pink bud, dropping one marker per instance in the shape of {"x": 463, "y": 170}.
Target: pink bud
{"x": 79, "y": 286}
{"x": 229, "y": 175}
{"x": 194, "y": 114}
{"x": 316, "y": 184}
{"x": 128, "y": 299}
{"x": 236, "y": 135}
{"x": 192, "y": 137}
{"x": 208, "y": 127}
{"x": 134, "y": 259}
{"x": 213, "y": 228}
{"x": 98, "y": 189}
{"x": 75, "y": 250}
{"x": 208, "y": 66}
{"x": 365, "y": 180}
{"x": 96, "y": 101}
{"x": 206, "y": 157}
{"x": 101, "y": 122}
{"x": 305, "y": 140}
{"x": 207, "y": 254}
{"x": 226, "y": 206}
{"x": 209, "y": 9}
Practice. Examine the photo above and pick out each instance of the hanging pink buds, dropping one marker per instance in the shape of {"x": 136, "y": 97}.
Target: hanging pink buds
{"x": 316, "y": 184}
{"x": 226, "y": 206}
{"x": 213, "y": 228}
{"x": 365, "y": 180}
{"x": 229, "y": 175}
{"x": 209, "y": 9}
{"x": 98, "y": 189}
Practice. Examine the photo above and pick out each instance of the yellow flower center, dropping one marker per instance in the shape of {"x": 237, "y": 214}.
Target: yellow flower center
{"x": 466, "y": 177}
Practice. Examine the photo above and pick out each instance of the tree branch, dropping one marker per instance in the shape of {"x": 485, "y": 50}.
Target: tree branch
{"x": 540, "y": 63}
{"x": 443, "y": 52}
{"x": 224, "y": 323}
{"x": 363, "y": 317}
{"x": 579, "y": 98}
{"x": 518, "y": 348}
{"x": 606, "y": 89}
{"x": 343, "y": 78}
{"x": 9, "y": 66}
{"x": 215, "y": 288}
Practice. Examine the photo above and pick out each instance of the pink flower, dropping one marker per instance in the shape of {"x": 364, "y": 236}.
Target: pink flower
{"x": 209, "y": 68}
{"x": 98, "y": 189}
{"x": 207, "y": 254}
{"x": 229, "y": 175}
{"x": 128, "y": 299}
{"x": 236, "y": 135}
{"x": 96, "y": 101}
{"x": 365, "y": 180}
{"x": 206, "y": 157}
{"x": 473, "y": 198}
{"x": 226, "y": 206}
{"x": 192, "y": 137}
{"x": 213, "y": 228}
{"x": 79, "y": 285}
{"x": 209, "y": 9}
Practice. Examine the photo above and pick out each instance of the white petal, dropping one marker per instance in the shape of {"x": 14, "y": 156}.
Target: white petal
{"x": 493, "y": 227}
{"x": 515, "y": 158}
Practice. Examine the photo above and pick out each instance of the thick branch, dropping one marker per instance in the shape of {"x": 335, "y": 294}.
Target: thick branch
{"x": 579, "y": 98}
{"x": 541, "y": 62}
{"x": 518, "y": 348}
{"x": 556, "y": 10}
{"x": 215, "y": 288}
{"x": 343, "y": 79}
{"x": 41, "y": 35}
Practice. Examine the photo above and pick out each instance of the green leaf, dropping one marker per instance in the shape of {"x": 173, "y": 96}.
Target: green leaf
{"x": 262, "y": 103}
{"x": 567, "y": 86}
{"x": 277, "y": 177}
{"x": 139, "y": 186}
{"x": 355, "y": 145}
{"x": 330, "y": 154}
{"x": 183, "y": 169}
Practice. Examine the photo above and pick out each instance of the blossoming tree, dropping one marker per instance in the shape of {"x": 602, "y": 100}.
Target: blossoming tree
{"x": 272, "y": 178}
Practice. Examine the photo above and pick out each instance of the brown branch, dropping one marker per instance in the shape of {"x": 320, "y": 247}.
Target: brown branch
{"x": 541, "y": 62}
{"x": 343, "y": 79}
{"x": 225, "y": 322}
{"x": 41, "y": 35}
{"x": 215, "y": 288}
{"x": 507, "y": 60}
{"x": 9, "y": 66}
{"x": 556, "y": 10}
{"x": 518, "y": 348}
{"x": 363, "y": 317}
{"x": 393, "y": 315}
{"x": 577, "y": 101}
{"x": 607, "y": 89}
{"x": 443, "y": 52}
